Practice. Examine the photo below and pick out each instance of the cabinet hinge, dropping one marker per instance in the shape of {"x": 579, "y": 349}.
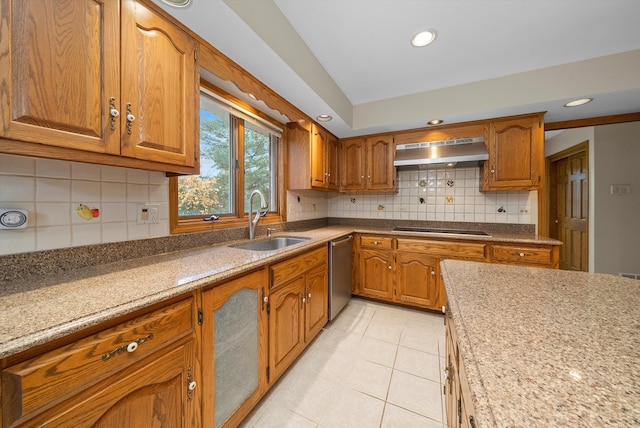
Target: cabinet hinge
{"x": 195, "y": 56}
{"x": 271, "y": 277}
{"x": 268, "y": 373}
{"x": 459, "y": 411}
{"x": 200, "y": 316}
{"x": 268, "y": 308}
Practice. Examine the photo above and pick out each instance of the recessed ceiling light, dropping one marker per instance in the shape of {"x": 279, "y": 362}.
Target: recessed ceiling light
{"x": 578, "y": 102}
{"x": 435, "y": 122}
{"x": 324, "y": 118}
{"x": 178, "y": 3}
{"x": 423, "y": 38}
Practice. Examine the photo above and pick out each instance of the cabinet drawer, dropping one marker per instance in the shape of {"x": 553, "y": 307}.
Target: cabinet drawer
{"x": 522, "y": 255}
{"x": 444, "y": 249}
{"x": 55, "y": 375}
{"x": 289, "y": 269}
{"x": 376, "y": 242}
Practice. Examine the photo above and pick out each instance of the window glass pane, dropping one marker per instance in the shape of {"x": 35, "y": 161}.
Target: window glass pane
{"x": 259, "y": 165}
{"x": 210, "y": 192}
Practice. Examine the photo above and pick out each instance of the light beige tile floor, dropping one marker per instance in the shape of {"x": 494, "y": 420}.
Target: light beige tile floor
{"x": 375, "y": 365}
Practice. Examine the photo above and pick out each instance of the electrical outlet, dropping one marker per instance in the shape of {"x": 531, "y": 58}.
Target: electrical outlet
{"x": 148, "y": 214}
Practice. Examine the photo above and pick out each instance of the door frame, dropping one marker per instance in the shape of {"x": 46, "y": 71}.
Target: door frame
{"x": 552, "y": 184}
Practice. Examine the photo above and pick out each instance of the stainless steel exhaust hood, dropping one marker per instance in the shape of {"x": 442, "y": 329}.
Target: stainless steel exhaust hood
{"x": 461, "y": 153}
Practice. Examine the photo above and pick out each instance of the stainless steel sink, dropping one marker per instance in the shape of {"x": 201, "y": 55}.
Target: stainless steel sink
{"x": 272, "y": 243}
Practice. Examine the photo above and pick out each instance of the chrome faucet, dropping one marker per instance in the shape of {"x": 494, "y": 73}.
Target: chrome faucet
{"x": 263, "y": 206}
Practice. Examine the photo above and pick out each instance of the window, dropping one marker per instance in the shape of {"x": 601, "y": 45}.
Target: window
{"x": 238, "y": 154}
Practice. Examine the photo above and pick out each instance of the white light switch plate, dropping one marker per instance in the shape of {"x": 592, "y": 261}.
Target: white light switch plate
{"x": 148, "y": 214}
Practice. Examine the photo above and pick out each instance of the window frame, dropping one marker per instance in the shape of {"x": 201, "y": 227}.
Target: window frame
{"x": 240, "y": 218}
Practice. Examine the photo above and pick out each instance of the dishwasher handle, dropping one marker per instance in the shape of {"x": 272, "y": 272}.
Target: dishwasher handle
{"x": 342, "y": 240}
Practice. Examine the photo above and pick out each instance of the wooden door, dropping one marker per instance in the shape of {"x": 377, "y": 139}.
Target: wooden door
{"x": 353, "y": 165}
{"x": 332, "y": 160}
{"x": 154, "y": 394}
{"x": 59, "y": 68}
{"x": 516, "y": 154}
{"x": 317, "y": 305}
{"x": 160, "y": 88}
{"x": 416, "y": 279}
{"x": 569, "y": 206}
{"x": 376, "y": 273}
{"x": 318, "y": 148}
{"x": 286, "y": 326}
{"x": 234, "y": 349}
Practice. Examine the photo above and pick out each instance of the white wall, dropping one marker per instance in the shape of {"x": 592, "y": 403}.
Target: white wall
{"x": 614, "y": 220}
{"x": 447, "y": 195}
{"x": 617, "y": 217}
{"x": 51, "y": 190}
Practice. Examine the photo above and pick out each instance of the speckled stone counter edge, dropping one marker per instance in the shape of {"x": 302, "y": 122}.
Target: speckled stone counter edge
{"x": 23, "y": 265}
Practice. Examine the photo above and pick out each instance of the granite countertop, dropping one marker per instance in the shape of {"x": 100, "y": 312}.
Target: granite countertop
{"x": 544, "y": 347}
{"x": 39, "y": 309}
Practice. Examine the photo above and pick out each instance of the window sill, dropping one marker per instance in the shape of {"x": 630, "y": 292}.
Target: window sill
{"x": 199, "y": 225}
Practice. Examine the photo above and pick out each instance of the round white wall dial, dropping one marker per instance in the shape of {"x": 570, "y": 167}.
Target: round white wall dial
{"x": 13, "y": 219}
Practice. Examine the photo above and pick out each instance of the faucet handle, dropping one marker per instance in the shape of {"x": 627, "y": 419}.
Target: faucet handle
{"x": 269, "y": 230}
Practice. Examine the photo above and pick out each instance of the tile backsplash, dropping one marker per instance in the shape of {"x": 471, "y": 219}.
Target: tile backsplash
{"x": 434, "y": 194}
{"x": 51, "y": 191}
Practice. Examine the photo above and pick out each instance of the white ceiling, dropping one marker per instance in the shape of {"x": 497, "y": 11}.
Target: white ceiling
{"x": 352, "y": 58}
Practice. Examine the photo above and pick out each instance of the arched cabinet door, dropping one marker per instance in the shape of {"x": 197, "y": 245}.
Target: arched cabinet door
{"x": 234, "y": 348}
{"x": 160, "y": 88}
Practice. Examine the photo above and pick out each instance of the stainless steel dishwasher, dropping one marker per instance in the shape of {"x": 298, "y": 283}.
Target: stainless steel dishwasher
{"x": 339, "y": 274}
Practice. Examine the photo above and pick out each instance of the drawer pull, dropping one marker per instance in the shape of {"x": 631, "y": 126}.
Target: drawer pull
{"x": 130, "y": 347}
{"x": 376, "y": 243}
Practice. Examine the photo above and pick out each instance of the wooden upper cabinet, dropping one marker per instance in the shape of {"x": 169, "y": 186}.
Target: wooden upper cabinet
{"x": 368, "y": 164}
{"x": 353, "y": 165}
{"x": 318, "y": 148}
{"x": 516, "y": 154}
{"x": 312, "y": 158}
{"x": 160, "y": 88}
{"x": 59, "y": 66}
{"x": 381, "y": 173}
{"x": 98, "y": 77}
{"x": 333, "y": 162}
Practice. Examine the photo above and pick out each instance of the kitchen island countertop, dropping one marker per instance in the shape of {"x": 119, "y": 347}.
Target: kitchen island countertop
{"x": 543, "y": 347}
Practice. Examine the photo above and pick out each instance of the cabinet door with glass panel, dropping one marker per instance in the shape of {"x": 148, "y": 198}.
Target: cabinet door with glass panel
{"x": 238, "y": 154}
{"x": 234, "y": 348}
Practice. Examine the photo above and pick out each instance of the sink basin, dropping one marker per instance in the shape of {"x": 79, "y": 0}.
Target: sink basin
{"x": 271, "y": 243}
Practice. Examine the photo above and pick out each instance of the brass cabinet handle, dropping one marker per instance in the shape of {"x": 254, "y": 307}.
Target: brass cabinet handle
{"x": 129, "y": 347}
{"x": 191, "y": 384}
{"x": 113, "y": 113}
{"x": 130, "y": 118}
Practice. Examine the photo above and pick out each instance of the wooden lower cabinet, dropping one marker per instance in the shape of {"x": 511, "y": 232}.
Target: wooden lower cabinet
{"x": 416, "y": 279}
{"x": 297, "y": 307}
{"x": 458, "y": 405}
{"x": 317, "y": 301}
{"x": 156, "y": 394}
{"x": 234, "y": 348}
{"x": 137, "y": 373}
{"x": 376, "y": 273}
{"x": 406, "y": 270}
